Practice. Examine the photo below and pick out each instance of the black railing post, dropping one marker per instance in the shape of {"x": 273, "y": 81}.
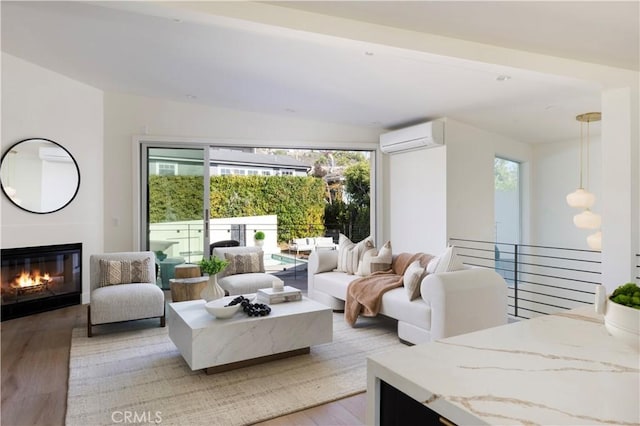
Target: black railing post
{"x": 515, "y": 278}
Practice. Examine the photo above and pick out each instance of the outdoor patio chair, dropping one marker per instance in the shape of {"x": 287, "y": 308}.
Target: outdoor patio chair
{"x": 223, "y": 243}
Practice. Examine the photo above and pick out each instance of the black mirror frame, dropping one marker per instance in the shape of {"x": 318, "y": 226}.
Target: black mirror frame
{"x": 75, "y": 163}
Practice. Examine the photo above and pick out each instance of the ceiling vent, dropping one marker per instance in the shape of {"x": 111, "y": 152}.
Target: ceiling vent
{"x": 425, "y": 135}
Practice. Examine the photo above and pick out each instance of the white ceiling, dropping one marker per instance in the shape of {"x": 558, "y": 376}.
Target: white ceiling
{"x": 138, "y": 48}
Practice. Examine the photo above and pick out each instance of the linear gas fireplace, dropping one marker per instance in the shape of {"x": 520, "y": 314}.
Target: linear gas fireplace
{"x": 38, "y": 279}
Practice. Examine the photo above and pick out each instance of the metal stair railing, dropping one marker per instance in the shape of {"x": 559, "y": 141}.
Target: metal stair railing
{"x": 541, "y": 279}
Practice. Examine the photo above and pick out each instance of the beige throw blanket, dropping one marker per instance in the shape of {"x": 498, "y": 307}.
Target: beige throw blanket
{"x": 364, "y": 295}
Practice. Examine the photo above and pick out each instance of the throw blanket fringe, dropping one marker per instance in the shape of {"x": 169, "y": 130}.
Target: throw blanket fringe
{"x": 364, "y": 295}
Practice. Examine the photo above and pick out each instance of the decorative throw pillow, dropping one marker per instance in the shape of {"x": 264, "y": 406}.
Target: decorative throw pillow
{"x": 432, "y": 265}
{"x": 244, "y": 263}
{"x": 384, "y": 259}
{"x": 113, "y": 272}
{"x": 344, "y": 246}
{"x": 448, "y": 261}
{"x": 373, "y": 261}
{"x": 364, "y": 266}
{"x": 352, "y": 258}
{"x": 350, "y": 254}
{"x": 413, "y": 278}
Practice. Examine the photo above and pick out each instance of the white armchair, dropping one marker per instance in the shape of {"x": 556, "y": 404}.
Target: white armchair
{"x": 123, "y": 288}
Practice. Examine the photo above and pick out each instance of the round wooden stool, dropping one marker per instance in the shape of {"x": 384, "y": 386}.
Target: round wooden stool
{"x": 187, "y": 288}
{"x": 187, "y": 270}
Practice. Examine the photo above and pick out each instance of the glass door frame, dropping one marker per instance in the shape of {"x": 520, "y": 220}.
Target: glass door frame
{"x": 142, "y": 216}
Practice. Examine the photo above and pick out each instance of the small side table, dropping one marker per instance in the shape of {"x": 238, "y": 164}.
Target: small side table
{"x": 183, "y": 289}
{"x": 187, "y": 270}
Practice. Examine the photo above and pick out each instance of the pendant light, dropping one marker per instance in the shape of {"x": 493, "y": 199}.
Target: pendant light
{"x": 594, "y": 241}
{"x": 581, "y": 198}
{"x": 587, "y": 220}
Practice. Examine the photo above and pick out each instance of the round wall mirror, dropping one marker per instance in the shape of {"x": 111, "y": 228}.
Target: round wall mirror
{"x": 39, "y": 175}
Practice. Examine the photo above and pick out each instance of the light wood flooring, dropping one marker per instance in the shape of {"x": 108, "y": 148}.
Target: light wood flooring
{"x": 35, "y": 372}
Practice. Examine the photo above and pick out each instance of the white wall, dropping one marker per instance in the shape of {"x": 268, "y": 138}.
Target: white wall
{"x": 127, "y": 116}
{"x": 470, "y": 179}
{"x": 620, "y": 232}
{"x": 417, "y": 199}
{"x": 556, "y": 171}
{"x": 470, "y": 182}
{"x": 448, "y": 192}
{"x": 39, "y": 103}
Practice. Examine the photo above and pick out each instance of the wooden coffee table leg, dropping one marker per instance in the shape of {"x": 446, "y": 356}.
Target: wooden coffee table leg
{"x": 254, "y": 361}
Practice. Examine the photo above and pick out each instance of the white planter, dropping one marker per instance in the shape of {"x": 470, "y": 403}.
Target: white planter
{"x": 620, "y": 321}
{"x": 213, "y": 290}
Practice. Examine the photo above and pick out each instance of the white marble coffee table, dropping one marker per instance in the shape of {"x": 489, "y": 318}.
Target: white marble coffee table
{"x": 218, "y": 345}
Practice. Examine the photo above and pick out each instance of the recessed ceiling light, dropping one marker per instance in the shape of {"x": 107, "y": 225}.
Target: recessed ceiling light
{"x": 503, "y": 78}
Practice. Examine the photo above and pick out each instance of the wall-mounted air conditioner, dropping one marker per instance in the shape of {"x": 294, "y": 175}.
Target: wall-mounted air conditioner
{"x": 425, "y": 135}
{"x": 54, "y": 154}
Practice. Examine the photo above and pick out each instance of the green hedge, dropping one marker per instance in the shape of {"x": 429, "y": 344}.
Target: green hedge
{"x": 297, "y": 201}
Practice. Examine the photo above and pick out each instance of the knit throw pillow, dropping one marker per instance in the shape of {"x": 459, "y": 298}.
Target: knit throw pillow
{"x": 244, "y": 263}
{"x": 113, "y": 272}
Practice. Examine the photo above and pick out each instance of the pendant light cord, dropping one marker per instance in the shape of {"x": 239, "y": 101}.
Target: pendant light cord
{"x": 588, "y": 143}
{"x": 581, "y": 161}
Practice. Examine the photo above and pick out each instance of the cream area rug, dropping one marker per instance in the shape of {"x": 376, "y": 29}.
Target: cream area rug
{"x": 140, "y": 376}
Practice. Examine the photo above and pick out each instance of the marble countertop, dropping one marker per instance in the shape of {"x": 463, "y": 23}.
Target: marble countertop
{"x": 562, "y": 369}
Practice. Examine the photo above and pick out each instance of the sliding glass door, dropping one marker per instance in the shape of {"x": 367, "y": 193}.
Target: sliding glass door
{"x": 193, "y": 197}
{"x": 174, "y": 205}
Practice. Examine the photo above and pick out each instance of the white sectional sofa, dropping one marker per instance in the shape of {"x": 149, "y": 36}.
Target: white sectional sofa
{"x": 451, "y": 303}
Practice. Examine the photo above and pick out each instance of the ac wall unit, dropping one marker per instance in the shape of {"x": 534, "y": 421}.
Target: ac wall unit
{"x": 54, "y": 154}
{"x": 425, "y": 135}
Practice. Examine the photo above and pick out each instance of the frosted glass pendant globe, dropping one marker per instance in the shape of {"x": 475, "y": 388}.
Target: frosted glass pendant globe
{"x": 594, "y": 241}
{"x": 587, "y": 220}
{"x": 581, "y": 199}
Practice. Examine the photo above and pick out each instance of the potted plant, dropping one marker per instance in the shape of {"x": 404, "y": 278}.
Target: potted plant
{"x": 258, "y": 236}
{"x": 621, "y": 312}
{"x": 212, "y": 267}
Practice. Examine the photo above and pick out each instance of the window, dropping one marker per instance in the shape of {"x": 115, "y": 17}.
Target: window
{"x": 507, "y": 215}
{"x": 253, "y": 172}
{"x": 225, "y": 171}
{"x": 266, "y": 173}
{"x": 166, "y": 169}
{"x": 507, "y": 200}
{"x": 286, "y": 172}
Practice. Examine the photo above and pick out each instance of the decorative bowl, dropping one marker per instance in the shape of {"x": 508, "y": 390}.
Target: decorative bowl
{"x": 622, "y": 322}
{"x": 218, "y": 309}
